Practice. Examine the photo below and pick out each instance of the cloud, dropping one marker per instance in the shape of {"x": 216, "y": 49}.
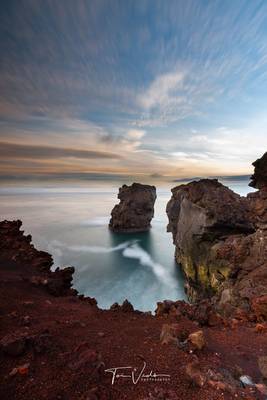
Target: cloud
{"x": 136, "y": 134}
{"x": 162, "y": 91}
{"x": 17, "y": 151}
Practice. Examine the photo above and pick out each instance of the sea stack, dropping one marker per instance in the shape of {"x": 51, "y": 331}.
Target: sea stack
{"x": 135, "y": 210}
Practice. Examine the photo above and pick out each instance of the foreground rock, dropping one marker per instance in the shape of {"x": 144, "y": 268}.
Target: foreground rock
{"x": 135, "y": 210}
{"x": 221, "y": 243}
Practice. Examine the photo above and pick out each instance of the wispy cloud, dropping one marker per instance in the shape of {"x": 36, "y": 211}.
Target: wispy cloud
{"x": 134, "y": 79}
{"x": 12, "y": 150}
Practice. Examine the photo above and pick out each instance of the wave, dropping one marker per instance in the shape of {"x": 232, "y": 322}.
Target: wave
{"x": 130, "y": 249}
{"x": 136, "y": 252}
{"x": 99, "y": 249}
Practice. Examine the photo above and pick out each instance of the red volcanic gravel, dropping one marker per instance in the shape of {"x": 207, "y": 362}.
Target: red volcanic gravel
{"x": 56, "y": 345}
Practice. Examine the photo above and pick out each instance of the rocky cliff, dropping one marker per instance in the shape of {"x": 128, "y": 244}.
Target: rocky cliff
{"x": 221, "y": 242}
{"x": 135, "y": 210}
{"x": 56, "y": 344}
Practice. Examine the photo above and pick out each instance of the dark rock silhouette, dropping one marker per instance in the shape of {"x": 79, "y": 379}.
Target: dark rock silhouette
{"x": 259, "y": 178}
{"x": 135, "y": 210}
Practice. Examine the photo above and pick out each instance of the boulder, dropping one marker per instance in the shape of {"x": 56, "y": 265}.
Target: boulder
{"x": 197, "y": 339}
{"x": 169, "y": 334}
{"x": 135, "y": 210}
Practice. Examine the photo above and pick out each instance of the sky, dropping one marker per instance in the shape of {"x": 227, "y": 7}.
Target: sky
{"x": 143, "y": 88}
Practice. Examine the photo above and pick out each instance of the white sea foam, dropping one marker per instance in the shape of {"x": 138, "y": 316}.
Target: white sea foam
{"x": 130, "y": 249}
{"x": 99, "y": 249}
{"x": 135, "y": 251}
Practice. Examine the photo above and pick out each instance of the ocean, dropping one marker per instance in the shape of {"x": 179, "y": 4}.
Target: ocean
{"x": 70, "y": 221}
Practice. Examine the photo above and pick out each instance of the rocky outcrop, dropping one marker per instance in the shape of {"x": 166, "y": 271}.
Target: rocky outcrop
{"x": 17, "y": 247}
{"x": 201, "y": 215}
{"x": 221, "y": 243}
{"x": 135, "y": 210}
{"x": 259, "y": 178}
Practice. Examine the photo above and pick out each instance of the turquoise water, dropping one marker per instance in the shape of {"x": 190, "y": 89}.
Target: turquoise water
{"x": 71, "y": 223}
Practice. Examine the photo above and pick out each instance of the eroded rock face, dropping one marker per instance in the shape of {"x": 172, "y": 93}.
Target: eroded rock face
{"x": 221, "y": 243}
{"x": 135, "y": 210}
{"x": 201, "y": 214}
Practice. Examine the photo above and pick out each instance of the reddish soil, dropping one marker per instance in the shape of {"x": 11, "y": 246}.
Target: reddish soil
{"x": 70, "y": 342}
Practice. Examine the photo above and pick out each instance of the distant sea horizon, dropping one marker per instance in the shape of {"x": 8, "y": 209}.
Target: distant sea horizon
{"x": 69, "y": 219}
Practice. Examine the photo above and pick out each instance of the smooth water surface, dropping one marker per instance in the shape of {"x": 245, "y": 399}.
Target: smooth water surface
{"x": 71, "y": 223}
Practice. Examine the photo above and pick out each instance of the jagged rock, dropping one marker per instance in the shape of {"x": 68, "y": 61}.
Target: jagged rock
{"x": 60, "y": 281}
{"x": 13, "y": 241}
{"x": 135, "y": 210}
{"x": 259, "y": 178}
{"x": 125, "y": 307}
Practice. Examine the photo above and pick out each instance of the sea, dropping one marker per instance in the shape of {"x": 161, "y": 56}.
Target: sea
{"x": 70, "y": 221}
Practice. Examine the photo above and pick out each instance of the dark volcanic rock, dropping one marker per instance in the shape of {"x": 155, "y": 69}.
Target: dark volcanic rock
{"x": 15, "y": 245}
{"x": 259, "y": 178}
{"x": 221, "y": 243}
{"x": 201, "y": 214}
{"x": 135, "y": 210}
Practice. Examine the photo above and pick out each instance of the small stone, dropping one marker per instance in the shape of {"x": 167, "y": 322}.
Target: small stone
{"x": 197, "y": 339}
{"x": 24, "y": 369}
{"x": 101, "y": 334}
{"x": 234, "y": 323}
{"x": 261, "y": 388}
{"x": 13, "y": 372}
{"x": 246, "y": 380}
{"x": 169, "y": 333}
{"x": 13, "y": 344}
{"x": 260, "y": 328}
